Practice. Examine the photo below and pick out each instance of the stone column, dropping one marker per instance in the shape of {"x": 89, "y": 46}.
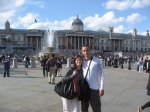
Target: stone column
{"x": 85, "y": 42}
{"x": 97, "y": 44}
{"x": 41, "y": 43}
{"x": 119, "y": 45}
{"x": 114, "y": 45}
{"x": 89, "y": 40}
{"x": 37, "y": 44}
{"x": 78, "y": 43}
{"x": 92, "y": 43}
{"x": 26, "y": 38}
{"x": 71, "y": 41}
{"x": 110, "y": 43}
{"x": 30, "y": 41}
{"x": 14, "y": 63}
{"x": 75, "y": 43}
{"x": 66, "y": 42}
{"x": 82, "y": 41}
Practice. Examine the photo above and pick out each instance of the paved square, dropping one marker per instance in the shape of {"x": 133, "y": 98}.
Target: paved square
{"x": 124, "y": 90}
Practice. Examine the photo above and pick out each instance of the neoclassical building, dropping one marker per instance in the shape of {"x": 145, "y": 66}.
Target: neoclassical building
{"x": 101, "y": 41}
{"x": 22, "y": 40}
{"x": 71, "y": 41}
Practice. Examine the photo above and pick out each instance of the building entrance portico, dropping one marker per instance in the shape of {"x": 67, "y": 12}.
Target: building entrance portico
{"x": 76, "y": 42}
{"x": 116, "y": 44}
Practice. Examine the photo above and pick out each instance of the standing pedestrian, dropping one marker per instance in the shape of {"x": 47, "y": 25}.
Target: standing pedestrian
{"x": 43, "y": 64}
{"x": 6, "y": 61}
{"x": 95, "y": 69}
{"x": 74, "y": 73}
{"x": 51, "y": 63}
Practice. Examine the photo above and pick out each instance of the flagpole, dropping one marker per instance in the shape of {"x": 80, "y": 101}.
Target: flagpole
{"x": 35, "y": 22}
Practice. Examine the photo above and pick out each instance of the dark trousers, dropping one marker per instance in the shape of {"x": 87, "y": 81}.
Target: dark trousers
{"x": 94, "y": 101}
{"x": 146, "y": 105}
{"x": 6, "y": 71}
{"x": 44, "y": 69}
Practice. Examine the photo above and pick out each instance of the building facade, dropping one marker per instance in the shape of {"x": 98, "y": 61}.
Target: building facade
{"x": 101, "y": 41}
{"x": 23, "y": 41}
{"x": 71, "y": 41}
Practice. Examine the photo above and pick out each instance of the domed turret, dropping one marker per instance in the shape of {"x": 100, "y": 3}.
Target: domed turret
{"x": 77, "y": 25}
{"x": 7, "y": 25}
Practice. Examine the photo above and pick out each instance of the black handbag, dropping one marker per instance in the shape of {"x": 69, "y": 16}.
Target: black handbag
{"x": 85, "y": 90}
{"x": 148, "y": 92}
{"x": 65, "y": 90}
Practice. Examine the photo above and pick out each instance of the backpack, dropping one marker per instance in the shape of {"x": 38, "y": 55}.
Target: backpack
{"x": 52, "y": 63}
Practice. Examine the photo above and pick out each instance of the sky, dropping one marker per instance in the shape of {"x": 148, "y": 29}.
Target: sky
{"x": 123, "y": 15}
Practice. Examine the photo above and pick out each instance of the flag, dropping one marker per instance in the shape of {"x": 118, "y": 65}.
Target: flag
{"x": 35, "y": 20}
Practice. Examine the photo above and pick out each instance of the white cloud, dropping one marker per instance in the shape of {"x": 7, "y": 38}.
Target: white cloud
{"x": 140, "y": 3}
{"x": 135, "y": 18}
{"x": 56, "y": 25}
{"x": 28, "y": 19}
{"x": 119, "y": 29}
{"x": 40, "y": 4}
{"x": 139, "y": 33}
{"x": 9, "y": 5}
{"x": 125, "y": 4}
{"x": 8, "y": 12}
{"x": 108, "y": 19}
{"x": 114, "y": 4}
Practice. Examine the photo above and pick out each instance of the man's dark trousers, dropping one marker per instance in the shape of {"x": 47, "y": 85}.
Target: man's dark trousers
{"x": 6, "y": 71}
{"x": 94, "y": 101}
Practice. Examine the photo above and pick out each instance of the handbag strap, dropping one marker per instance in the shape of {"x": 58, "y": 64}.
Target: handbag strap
{"x": 88, "y": 67}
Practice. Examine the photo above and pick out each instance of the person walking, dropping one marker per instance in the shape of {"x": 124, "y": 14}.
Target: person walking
{"x": 95, "y": 69}
{"x": 59, "y": 66}
{"x": 43, "y": 64}
{"x": 51, "y": 63}
{"x": 146, "y": 105}
{"x": 74, "y": 73}
{"x": 147, "y": 65}
{"x": 6, "y": 61}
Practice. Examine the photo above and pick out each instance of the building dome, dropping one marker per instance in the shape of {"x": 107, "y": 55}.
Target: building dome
{"x": 77, "y": 25}
{"x": 77, "y": 21}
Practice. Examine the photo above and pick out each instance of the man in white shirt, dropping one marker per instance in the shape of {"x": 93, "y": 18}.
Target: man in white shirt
{"x": 95, "y": 69}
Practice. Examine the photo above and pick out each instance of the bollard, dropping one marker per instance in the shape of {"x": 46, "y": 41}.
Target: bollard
{"x": 14, "y": 63}
{"x": 68, "y": 63}
{"x": 33, "y": 63}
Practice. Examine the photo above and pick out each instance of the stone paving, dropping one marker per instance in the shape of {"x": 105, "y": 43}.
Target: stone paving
{"x": 124, "y": 90}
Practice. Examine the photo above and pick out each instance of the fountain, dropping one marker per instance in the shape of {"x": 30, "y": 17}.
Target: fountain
{"x": 50, "y": 43}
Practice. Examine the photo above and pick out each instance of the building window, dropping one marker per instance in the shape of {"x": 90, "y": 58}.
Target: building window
{"x": 130, "y": 48}
{"x": 102, "y": 41}
{"x": 107, "y": 48}
{"x": 141, "y": 43}
{"x": 141, "y": 49}
{"x": 102, "y": 48}
{"x": 18, "y": 38}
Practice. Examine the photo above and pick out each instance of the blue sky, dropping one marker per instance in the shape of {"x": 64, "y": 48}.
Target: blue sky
{"x": 123, "y": 15}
